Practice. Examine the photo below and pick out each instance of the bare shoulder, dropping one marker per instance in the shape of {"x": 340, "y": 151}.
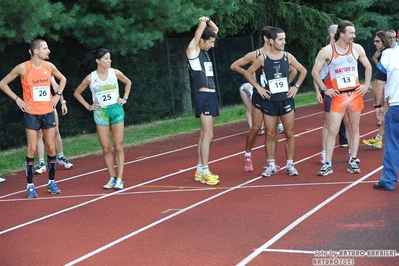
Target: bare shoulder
{"x": 325, "y": 52}
{"x": 193, "y": 50}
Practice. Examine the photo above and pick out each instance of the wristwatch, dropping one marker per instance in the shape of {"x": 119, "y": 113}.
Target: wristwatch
{"x": 125, "y": 98}
{"x": 325, "y": 89}
{"x": 59, "y": 93}
{"x": 297, "y": 85}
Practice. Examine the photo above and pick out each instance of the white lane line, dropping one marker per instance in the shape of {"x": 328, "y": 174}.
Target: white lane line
{"x": 149, "y": 226}
{"x": 129, "y": 188}
{"x": 189, "y": 189}
{"x": 177, "y": 150}
{"x": 301, "y": 219}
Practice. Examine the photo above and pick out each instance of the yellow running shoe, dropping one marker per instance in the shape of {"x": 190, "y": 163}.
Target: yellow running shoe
{"x": 198, "y": 176}
{"x": 373, "y": 143}
{"x": 209, "y": 179}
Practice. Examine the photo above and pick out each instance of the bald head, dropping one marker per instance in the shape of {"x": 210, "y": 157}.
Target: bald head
{"x": 332, "y": 29}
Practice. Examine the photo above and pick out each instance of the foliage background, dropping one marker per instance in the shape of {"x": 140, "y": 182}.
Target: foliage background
{"x": 148, "y": 41}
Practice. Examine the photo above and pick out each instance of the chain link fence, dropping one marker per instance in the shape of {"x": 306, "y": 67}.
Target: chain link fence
{"x": 160, "y": 82}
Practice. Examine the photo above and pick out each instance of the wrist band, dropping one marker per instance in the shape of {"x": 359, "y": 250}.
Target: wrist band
{"x": 63, "y": 102}
{"x": 378, "y": 106}
{"x": 16, "y": 98}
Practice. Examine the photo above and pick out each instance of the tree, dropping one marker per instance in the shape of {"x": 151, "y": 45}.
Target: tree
{"x": 22, "y": 20}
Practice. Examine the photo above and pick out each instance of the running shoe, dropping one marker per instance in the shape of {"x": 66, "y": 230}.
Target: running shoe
{"x": 353, "y": 168}
{"x": 280, "y": 128}
{"x": 325, "y": 170}
{"x": 52, "y": 188}
{"x": 63, "y": 162}
{"x": 269, "y": 171}
{"x": 261, "y": 131}
{"x": 41, "y": 169}
{"x": 32, "y": 192}
{"x": 197, "y": 176}
{"x": 291, "y": 170}
{"x": 111, "y": 183}
{"x": 119, "y": 184}
{"x": 2, "y": 180}
{"x": 373, "y": 143}
{"x": 248, "y": 167}
{"x": 209, "y": 179}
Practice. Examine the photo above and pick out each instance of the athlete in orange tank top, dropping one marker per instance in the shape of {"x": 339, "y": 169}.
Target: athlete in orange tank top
{"x": 36, "y": 89}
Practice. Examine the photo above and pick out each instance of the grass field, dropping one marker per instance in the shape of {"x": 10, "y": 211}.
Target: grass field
{"x": 82, "y": 145}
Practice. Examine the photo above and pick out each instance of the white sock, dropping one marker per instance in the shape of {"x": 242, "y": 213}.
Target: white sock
{"x": 205, "y": 169}
{"x": 199, "y": 168}
{"x": 29, "y": 185}
{"x": 60, "y": 155}
{"x": 247, "y": 154}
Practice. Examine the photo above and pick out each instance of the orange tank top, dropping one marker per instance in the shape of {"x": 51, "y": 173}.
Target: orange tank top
{"x": 36, "y": 89}
{"x": 343, "y": 70}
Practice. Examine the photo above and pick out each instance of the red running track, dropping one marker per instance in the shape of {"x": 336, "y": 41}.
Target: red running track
{"x": 164, "y": 217}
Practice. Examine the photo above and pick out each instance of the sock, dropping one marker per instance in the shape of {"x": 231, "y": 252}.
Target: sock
{"x": 29, "y": 169}
{"x": 205, "y": 169}
{"x": 29, "y": 184}
{"x": 49, "y": 181}
{"x": 272, "y": 163}
{"x": 247, "y": 154}
{"x": 323, "y": 152}
{"x": 329, "y": 163}
{"x": 51, "y": 167}
{"x": 41, "y": 161}
{"x": 378, "y": 137}
{"x": 60, "y": 155}
{"x": 199, "y": 168}
{"x": 290, "y": 162}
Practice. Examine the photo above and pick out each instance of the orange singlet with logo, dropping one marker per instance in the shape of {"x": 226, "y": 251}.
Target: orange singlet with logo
{"x": 343, "y": 70}
{"x": 36, "y": 89}
{"x": 345, "y": 78}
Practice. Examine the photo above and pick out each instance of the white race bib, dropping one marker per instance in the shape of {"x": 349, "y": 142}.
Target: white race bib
{"x": 107, "y": 97}
{"x": 41, "y": 94}
{"x": 208, "y": 69}
{"x": 278, "y": 85}
{"x": 345, "y": 81}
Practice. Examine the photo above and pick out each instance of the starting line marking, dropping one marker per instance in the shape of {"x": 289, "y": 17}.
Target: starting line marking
{"x": 302, "y": 218}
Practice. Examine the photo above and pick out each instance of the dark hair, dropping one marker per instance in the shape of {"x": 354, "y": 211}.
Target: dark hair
{"x": 92, "y": 56}
{"x": 266, "y": 31}
{"x": 383, "y": 37}
{"x": 208, "y": 33}
{"x": 274, "y": 32}
{"x": 342, "y": 28}
{"x": 35, "y": 44}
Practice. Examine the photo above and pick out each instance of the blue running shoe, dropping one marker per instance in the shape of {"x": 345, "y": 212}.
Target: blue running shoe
{"x": 111, "y": 183}
{"x": 32, "y": 192}
{"x": 52, "y": 188}
{"x": 119, "y": 184}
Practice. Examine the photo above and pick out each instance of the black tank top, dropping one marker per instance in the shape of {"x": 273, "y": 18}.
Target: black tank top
{"x": 277, "y": 72}
{"x": 259, "y": 75}
{"x": 201, "y": 70}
